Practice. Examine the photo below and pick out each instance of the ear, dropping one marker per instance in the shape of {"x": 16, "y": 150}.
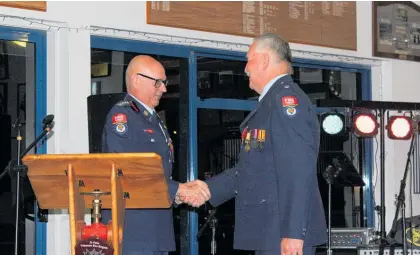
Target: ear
{"x": 265, "y": 61}
{"x": 134, "y": 80}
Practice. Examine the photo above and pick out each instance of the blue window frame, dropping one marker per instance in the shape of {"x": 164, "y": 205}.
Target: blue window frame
{"x": 39, "y": 39}
{"x": 231, "y": 104}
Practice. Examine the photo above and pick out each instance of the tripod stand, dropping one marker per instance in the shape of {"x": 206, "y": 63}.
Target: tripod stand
{"x": 401, "y": 200}
{"x": 18, "y": 170}
{"x": 341, "y": 171}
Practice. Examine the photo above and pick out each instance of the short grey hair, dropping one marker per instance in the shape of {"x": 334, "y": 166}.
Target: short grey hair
{"x": 277, "y": 44}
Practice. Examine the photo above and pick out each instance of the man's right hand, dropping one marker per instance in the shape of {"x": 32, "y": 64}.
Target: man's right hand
{"x": 194, "y": 193}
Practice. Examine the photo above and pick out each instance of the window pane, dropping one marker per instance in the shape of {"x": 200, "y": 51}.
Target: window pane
{"x": 220, "y": 78}
{"x": 108, "y": 76}
{"x": 219, "y": 142}
{"x": 17, "y": 105}
{"x": 328, "y": 84}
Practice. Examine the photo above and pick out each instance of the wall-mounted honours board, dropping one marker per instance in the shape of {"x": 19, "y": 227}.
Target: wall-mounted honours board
{"x": 30, "y": 5}
{"x": 327, "y": 23}
{"x": 396, "y": 30}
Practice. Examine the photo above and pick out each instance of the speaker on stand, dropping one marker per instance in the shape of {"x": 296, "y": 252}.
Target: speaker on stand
{"x": 98, "y": 108}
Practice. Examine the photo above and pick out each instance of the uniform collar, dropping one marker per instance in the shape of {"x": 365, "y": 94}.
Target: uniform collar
{"x": 269, "y": 85}
{"x": 283, "y": 79}
{"x": 150, "y": 110}
{"x": 141, "y": 108}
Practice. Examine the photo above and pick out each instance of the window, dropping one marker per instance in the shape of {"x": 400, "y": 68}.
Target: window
{"x": 17, "y": 112}
{"x": 221, "y": 78}
{"x": 109, "y": 68}
{"x": 328, "y": 84}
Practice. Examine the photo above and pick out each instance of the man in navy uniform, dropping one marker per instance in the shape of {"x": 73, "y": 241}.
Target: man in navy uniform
{"x": 278, "y": 206}
{"x": 132, "y": 125}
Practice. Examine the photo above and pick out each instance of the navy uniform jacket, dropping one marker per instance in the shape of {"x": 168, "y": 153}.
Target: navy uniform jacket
{"x": 275, "y": 181}
{"x": 131, "y": 128}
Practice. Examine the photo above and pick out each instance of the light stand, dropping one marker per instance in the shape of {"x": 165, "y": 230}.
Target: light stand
{"x": 382, "y": 175}
{"x": 212, "y": 221}
{"x": 19, "y": 170}
{"x": 401, "y": 198}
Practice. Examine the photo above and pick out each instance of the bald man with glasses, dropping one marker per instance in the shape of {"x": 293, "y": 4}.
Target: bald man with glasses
{"x": 132, "y": 125}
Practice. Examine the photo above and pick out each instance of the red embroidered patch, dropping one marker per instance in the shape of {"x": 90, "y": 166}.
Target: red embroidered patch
{"x": 119, "y": 118}
{"x": 150, "y": 131}
{"x": 289, "y": 101}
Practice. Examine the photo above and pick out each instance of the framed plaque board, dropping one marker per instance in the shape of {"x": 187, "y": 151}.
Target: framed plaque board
{"x": 328, "y": 23}
{"x": 396, "y": 30}
{"x": 30, "y": 5}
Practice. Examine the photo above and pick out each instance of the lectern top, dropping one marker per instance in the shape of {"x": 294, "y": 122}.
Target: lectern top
{"x": 141, "y": 174}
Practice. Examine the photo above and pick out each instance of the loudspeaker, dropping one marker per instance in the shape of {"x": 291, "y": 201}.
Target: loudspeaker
{"x": 98, "y": 108}
{"x": 5, "y": 149}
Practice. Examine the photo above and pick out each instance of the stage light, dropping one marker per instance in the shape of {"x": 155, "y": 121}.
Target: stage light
{"x": 365, "y": 125}
{"x": 399, "y": 128}
{"x": 333, "y": 123}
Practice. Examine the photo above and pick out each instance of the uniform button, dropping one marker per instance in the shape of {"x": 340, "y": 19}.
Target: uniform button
{"x": 236, "y": 173}
{"x": 263, "y": 201}
{"x": 170, "y": 177}
{"x": 236, "y": 192}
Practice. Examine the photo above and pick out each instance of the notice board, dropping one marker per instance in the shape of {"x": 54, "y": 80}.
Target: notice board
{"x": 327, "y": 23}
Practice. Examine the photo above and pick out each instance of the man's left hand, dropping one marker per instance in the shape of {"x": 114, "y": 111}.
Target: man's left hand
{"x": 290, "y": 246}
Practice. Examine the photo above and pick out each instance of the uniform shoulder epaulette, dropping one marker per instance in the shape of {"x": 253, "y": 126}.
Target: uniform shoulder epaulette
{"x": 124, "y": 103}
{"x": 128, "y": 103}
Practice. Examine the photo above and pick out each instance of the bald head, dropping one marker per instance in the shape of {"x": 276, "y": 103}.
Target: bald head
{"x": 145, "y": 78}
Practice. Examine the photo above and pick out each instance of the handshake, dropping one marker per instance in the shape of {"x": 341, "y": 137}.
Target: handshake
{"x": 194, "y": 193}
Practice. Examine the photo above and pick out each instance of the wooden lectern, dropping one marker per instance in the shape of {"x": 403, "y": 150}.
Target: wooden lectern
{"x": 134, "y": 180}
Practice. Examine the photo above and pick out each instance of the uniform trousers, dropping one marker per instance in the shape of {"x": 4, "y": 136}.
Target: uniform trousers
{"x": 307, "y": 250}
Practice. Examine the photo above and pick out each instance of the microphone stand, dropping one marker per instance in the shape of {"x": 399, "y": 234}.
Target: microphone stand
{"x": 211, "y": 219}
{"x": 328, "y": 176}
{"x": 20, "y": 170}
{"x": 401, "y": 199}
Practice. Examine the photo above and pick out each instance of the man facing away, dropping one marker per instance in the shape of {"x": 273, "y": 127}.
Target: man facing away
{"x": 278, "y": 206}
{"x": 132, "y": 125}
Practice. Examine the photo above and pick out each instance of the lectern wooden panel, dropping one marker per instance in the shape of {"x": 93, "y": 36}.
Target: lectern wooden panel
{"x": 133, "y": 180}
{"x": 145, "y": 185}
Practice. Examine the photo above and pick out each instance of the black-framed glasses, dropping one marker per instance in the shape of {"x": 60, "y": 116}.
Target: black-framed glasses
{"x": 158, "y": 82}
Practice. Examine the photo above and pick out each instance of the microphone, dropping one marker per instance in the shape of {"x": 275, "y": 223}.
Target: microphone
{"x": 48, "y": 121}
{"x": 17, "y": 123}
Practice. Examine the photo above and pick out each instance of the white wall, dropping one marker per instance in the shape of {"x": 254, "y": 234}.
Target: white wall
{"x": 69, "y": 77}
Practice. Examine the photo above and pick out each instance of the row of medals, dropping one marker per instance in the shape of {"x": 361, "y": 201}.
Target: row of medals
{"x": 254, "y": 138}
